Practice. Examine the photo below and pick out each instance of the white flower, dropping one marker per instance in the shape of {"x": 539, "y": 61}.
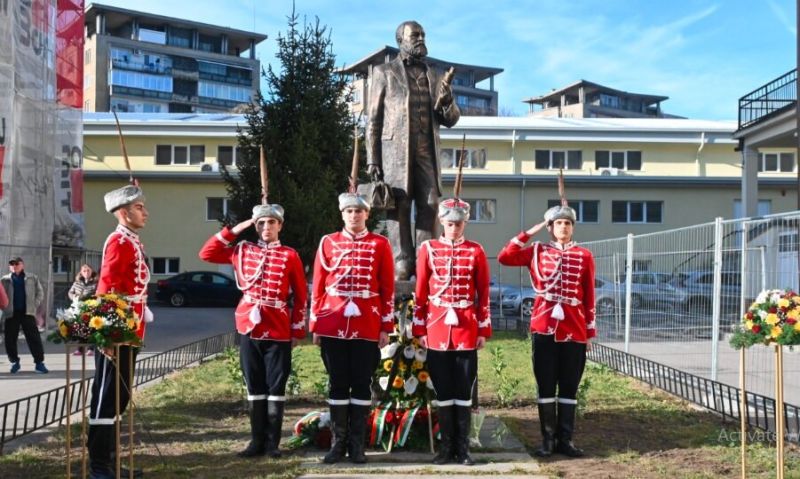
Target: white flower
{"x": 762, "y": 314}
{"x": 429, "y": 383}
{"x": 324, "y": 419}
{"x": 384, "y": 382}
{"x": 762, "y": 296}
{"x": 408, "y": 352}
{"x": 775, "y": 296}
{"x": 389, "y": 350}
{"x": 411, "y": 385}
{"x": 421, "y": 355}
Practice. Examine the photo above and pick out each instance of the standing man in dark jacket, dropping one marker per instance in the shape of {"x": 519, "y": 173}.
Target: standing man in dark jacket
{"x": 25, "y": 294}
{"x": 408, "y": 100}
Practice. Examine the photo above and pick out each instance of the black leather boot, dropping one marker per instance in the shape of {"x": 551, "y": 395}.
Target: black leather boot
{"x": 258, "y": 430}
{"x": 566, "y": 426}
{"x": 274, "y": 425}
{"x": 358, "y": 431}
{"x": 463, "y": 420}
{"x": 547, "y": 419}
{"x": 100, "y": 442}
{"x": 339, "y": 428}
{"x": 446, "y": 429}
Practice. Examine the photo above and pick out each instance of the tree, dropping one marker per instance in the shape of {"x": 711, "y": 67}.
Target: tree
{"x": 305, "y": 126}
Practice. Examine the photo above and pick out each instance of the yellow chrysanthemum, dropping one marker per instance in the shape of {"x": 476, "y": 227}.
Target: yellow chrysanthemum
{"x": 776, "y": 331}
{"x": 111, "y": 296}
{"x": 415, "y": 342}
{"x": 423, "y": 376}
{"x": 131, "y": 324}
{"x": 63, "y": 329}
{"x": 387, "y": 366}
{"x": 416, "y": 365}
{"x": 91, "y": 302}
{"x": 796, "y": 299}
{"x": 793, "y": 313}
{"x": 96, "y": 322}
{"x": 772, "y": 319}
{"x": 398, "y": 382}
{"x": 402, "y": 366}
{"x": 783, "y": 303}
{"x": 748, "y": 324}
{"x": 797, "y": 326}
{"x": 121, "y": 313}
{"x": 121, "y": 304}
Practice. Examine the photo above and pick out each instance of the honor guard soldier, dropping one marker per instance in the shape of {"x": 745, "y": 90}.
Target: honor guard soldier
{"x": 266, "y": 272}
{"x": 452, "y": 320}
{"x": 123, "y": 271}
{"x": 352, "y": 305}
{"x": 562, "y": 321}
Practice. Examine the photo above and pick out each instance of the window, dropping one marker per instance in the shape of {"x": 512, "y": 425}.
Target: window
{"x": 787, "y": 242}
{"x": 636, "y": 211}
{"x": 166, "y": 265}
{"x": 623, "y": 160}
{"x": 227, "y": 155}
{"x": 60, "y": 264}
{"x": 143, "y": 81}
{"x": 764, "y": 208}
{"x": 555, "y": 159}
{"x": 216, "y": 208}
{"x": 482, "y": 211}
{"x": 611, "y": 101}
{"x": 475, "y": 158}
{"x": 223, "y": 91}
{"x": 208, "y": 43}
{"x": 776, "y": 162}
{"x": 180, "y": 154}
{"x": 152, "y": 34}
{"x": 586, "y": 211}
{"x": 180, "y": 37}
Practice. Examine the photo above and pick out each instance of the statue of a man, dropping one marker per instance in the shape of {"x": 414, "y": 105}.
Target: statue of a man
{"x": 408, "y": 100}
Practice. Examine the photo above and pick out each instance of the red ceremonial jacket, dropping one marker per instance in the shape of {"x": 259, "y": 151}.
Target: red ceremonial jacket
{"x": 124, "y": 271}
{"x": 353, "y": 289}
{"x": 452, "y": 282}
{"x": 563, "y": 278}
{"x": 264, "y": 273}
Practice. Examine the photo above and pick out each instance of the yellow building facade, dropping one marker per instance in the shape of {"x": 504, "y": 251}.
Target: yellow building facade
{"x": 622, "y": 175}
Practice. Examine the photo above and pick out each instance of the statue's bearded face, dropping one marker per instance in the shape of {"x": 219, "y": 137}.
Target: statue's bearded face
{"x": 413, "y": 42}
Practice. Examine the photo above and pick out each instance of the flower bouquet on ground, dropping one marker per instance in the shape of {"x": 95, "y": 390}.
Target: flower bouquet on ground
{"x": 313, "y": 428}
{"x": 103, "y": 321}
{"x": 401, "y": 418}
{"x": 773, "y": 318}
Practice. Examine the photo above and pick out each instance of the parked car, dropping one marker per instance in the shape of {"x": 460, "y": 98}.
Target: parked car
{"x": 649, "y": 288}
{"x": 607, "y": 295}
{"x": 208, "y": 287}
{"x": 699, "y": 287}
{"x": 519, "y": 300}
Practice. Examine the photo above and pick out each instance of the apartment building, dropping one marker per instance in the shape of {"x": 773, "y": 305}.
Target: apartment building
{"x": 473, "y": 85}
{"x": 145, "y": 63}
{"x": 585, "y": 99}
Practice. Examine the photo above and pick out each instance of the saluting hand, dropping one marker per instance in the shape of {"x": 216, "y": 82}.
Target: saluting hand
{"x": 536, "y": 228}
{"x": 242, "y": 226}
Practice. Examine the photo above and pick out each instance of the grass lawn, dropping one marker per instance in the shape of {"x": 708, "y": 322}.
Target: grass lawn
{"x": 191, "y": 424}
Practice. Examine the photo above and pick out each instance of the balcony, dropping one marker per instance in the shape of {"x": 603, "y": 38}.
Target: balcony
{"x": 141, "y": 67}
{"x": 769, "y": 100}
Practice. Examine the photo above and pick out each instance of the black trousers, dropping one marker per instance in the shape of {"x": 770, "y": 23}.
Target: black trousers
{"x": 557, "y": 365}
{"x": 453, "y": 374}
{"x": 266, "y": 366}
{"x": 102, "y": 409}
{"x": 28, "y": 325}
{"x": 350, "y": 364}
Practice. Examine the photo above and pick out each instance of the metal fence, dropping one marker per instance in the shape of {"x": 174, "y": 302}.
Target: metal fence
{"x": 765, "y": 101}
{"x": 671, "y": 298}
{"x": 26, "y": 415}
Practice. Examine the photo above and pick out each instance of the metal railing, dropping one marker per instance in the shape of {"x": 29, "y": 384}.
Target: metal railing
{"x": 26, "y": 415}
{"x": 721, "y": 398}
{"x": 768, "y": 99}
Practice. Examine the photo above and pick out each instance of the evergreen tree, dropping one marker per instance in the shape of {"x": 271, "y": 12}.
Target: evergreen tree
{"x": 305, "y": 126}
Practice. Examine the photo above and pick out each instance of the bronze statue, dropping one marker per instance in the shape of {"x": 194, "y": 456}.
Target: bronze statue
{"x": 408, "y": 100}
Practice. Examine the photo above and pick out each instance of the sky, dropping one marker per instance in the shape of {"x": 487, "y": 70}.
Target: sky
{"x": 704, "y": 55}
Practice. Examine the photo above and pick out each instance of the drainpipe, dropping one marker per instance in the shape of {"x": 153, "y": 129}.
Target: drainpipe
{"x": 699, "y": 149}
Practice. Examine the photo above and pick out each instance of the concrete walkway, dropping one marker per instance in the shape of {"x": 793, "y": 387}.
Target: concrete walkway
{"x": 501, "y": 454}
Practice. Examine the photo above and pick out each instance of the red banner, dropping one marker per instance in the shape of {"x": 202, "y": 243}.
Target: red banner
{"x": 69, "y": 53}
